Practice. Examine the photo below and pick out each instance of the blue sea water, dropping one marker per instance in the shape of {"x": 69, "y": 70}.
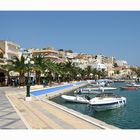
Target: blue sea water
{"x": 126, "y": 117}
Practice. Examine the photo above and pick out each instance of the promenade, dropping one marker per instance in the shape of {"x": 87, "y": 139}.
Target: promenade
{"x": 44, "y": 114}
{"x": 9, "y": 119}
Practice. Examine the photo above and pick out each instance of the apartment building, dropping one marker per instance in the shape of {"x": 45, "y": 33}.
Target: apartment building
{"x": 122, "y": 63}
{"x": 8, "y": 50}
{"x": 105, "y": 59}
{"x": 49, "y": 53}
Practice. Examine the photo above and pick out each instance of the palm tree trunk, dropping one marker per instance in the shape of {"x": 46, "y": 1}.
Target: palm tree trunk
{"x": 21, "y": 80}
{"x": 38, "y": 74}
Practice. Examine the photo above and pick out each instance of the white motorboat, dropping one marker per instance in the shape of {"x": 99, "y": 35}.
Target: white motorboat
{"x": 101, "y": 89}
{"x": 90, "y": 91}
{"x": 107, "y": 101}
{"x": 133, "y": 85}
{"x": 85, "y": 91}
{"x": 77, "y": 99}
{"x": 98, "y": 84}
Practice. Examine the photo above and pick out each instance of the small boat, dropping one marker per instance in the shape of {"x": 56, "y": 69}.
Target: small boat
{"x": 85, "y": 91}
{"x": 105, "y": 101}
{"x": 95, "y": 89}
{"x": 133, "y": 85}
{"x": 129, "y": 88}
{"x": 76, "y": 99}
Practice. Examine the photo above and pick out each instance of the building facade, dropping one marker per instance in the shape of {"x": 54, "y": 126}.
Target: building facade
{"x": 8, "y": 50}
{"x": 49, "y": 53}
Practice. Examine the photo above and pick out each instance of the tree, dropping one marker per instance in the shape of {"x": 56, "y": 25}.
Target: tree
{"x": 88, "y": 70}
{"x": 39, "y": 66}
{"x": 17, "y": 64}
{"x": 70, "y": 51}
{"x": 117, "y": 72}
{"x": 136, "y": 70}
{"x": 53, "y": 70}
{"x": 69, "y": 71}
{"x": 60, "y": 50}
{"x": 115, "y": 65}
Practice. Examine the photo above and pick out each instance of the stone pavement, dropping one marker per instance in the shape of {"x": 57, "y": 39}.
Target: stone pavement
{"x": 8, "y": 116}
{"x": 39, "y": 114}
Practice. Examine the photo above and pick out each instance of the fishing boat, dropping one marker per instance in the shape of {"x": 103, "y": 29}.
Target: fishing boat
{"x": 105, "y": 101}
{"x": 77, "y": 99}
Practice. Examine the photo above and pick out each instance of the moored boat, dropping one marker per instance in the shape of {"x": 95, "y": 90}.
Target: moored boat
{"x": 107, "y": 101}
{"x": 100, "y": 89}
{"x": 76, "y": 99}
{"x": 86, "y": 91}
{"x": 128, "y": 88}
{"x": 133, "y": 85}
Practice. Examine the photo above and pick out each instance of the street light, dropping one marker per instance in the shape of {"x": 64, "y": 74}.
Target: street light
{"x": 78, "y": 76}
{"x": 28, "y": 62}
{"x": 91, "y": 74}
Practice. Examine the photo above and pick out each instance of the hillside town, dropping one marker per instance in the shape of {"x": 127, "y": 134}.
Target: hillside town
{"x": 113, "y": 68}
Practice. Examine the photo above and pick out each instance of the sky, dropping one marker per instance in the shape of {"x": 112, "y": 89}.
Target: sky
{"x": 111, "y": 33}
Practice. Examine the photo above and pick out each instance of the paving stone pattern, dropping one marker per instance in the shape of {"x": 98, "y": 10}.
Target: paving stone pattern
{"x": 8, "y": 116}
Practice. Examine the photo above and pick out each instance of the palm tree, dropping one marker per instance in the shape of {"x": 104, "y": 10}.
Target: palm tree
{"x": 88, "y": 71}
{"x": 69, "y": 71}
{"x": 53, "y": 70}
{"x": 17, "y": 64}
{"x": 39, "y": 66}
{"x": 136, "y": 71}
{"x": 95, "y": 73}
{"x": 102, "y": 73}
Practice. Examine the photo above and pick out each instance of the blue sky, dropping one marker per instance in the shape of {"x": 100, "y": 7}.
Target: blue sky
{"x": 110, "y": 33}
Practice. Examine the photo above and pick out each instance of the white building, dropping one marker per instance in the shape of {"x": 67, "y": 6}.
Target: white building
{"x": 104, "y": 59}
{"x": 122, "y": 63}
{"x": 70, "y": 55}
{"x": 99, "y": 66}
{"x": 9, "y": 49}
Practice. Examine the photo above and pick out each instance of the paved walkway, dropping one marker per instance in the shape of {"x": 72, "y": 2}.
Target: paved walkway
{"x": 8, "y": 116}
{"x": 41, "y": 115}
{"x": 38, "y": 114}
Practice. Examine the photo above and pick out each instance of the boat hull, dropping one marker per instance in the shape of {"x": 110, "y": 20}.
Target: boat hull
{"x": 98, "y": 106}
{"x": 107, "y": 107}
{"x": 129, "y": 88}
{"x": 75, "y": 99}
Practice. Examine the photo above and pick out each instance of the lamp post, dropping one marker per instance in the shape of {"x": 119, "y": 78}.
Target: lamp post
{"x": 91, "y": 74}
{"x": 59, "y": 76}
{"x": 78, "y": 76}
{"x": 28, "y": 62}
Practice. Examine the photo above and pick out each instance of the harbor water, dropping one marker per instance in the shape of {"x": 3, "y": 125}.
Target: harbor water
{"x": 126, "y": 117}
